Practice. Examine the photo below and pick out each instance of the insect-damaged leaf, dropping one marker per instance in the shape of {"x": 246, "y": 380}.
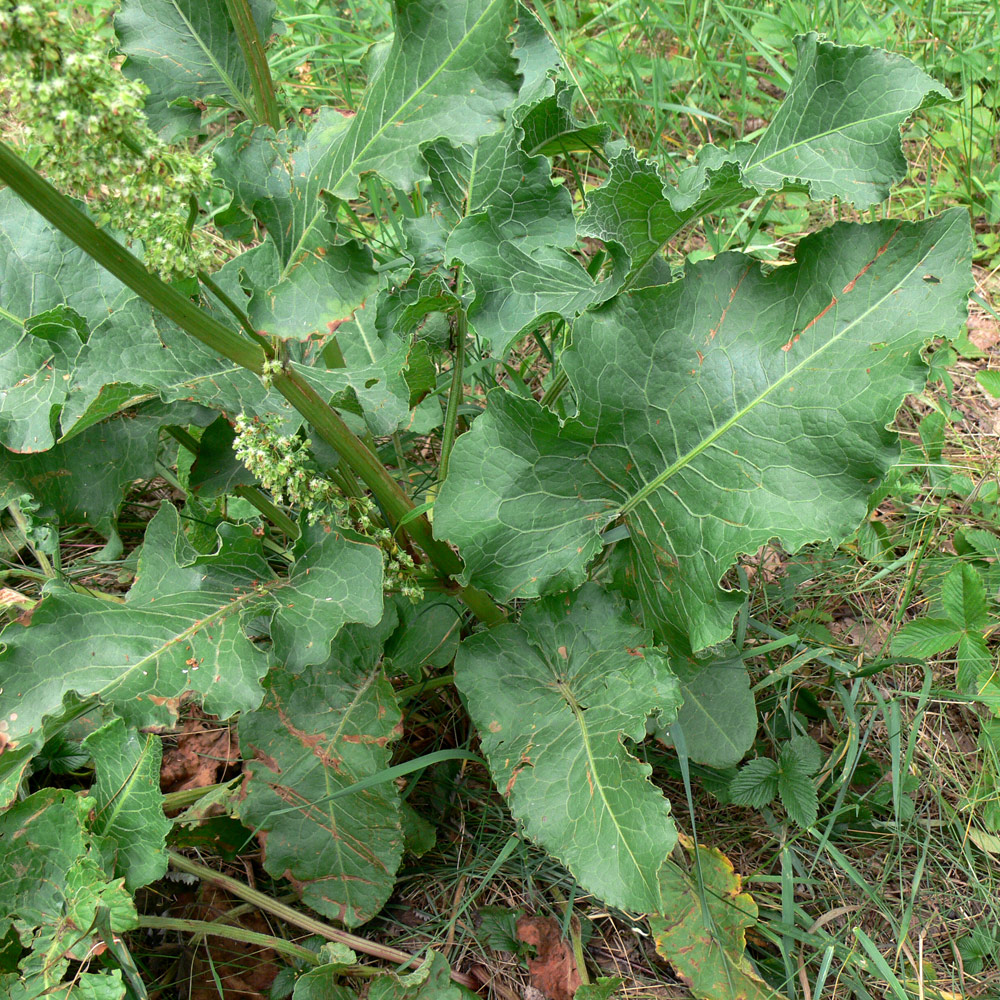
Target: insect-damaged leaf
{"x": 552, "y": 698}
{"x": 701, "y": 930}
{"x": 181, "y": 631}
{"x": 837, "y": 131}
{"x": 714, "y": 413}
{"x": 317, "y": 734}
{"x": 51, "y": 888}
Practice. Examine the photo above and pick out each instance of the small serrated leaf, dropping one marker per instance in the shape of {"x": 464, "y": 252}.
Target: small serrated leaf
{"x": 798, "y": 795}
{"x": 963, "y": 598}
{"x": 755, "y": 784}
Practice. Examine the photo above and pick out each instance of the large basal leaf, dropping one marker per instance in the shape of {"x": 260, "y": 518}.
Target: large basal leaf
{"x": 128, "y": 823}
{"x": 553, "y": 699}
{"x": 316, "y": 734}
{"x": 714, "y": 414}
{"x": 838, "y": 130}
{"x": 701, "y": 929}
{"x": 187, "y": 51}
{"x": 180, "y": 633}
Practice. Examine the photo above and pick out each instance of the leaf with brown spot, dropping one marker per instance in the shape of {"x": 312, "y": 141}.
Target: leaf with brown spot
{"x": 707, "y": 948}
{"x": 316, "y": 734}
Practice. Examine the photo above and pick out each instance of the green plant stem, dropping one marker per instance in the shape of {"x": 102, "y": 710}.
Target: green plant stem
{"x": 555, "y": 389}
{"x": 269, "y": 509}
{"x": 208, "y": 928}
{"x": 238, "y": 314}
{"x": 67, "y": 218}
{"x": 172, "y": 801}
{"x": 62, "y": 213}
{"x": 21, "y": 524}
{"x": 297, "y": 919}
{"x": 252, "y": 46}
{"x": 450, "y": 429}
{"x": 390, "y": 496}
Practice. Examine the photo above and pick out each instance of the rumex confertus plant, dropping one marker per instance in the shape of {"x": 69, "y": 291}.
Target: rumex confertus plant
{"x": 398, "y": 256}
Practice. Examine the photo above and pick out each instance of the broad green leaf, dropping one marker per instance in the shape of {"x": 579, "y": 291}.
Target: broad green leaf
{"x": 332, "y": 581}
{"x": 50, "y": 889}
{"x": 707, "y": 947}
{"x": 35, "y": 372}
{"x": 925, "y": 637}
{"x": 838, "y": 128}
{"x": 550, "y": 127}
{"x": 180, "y": 633}
{"x": 187, "y": 51}
{"x": 537, "y": 58}
{"x": 637, "y": 208}
{"x": 313, "y": 292}
{"x": 717, "y": 714}
{"x": 714, "y": 414}
{"x": 427, "y": 635}
{"x": 755, "y": 784}
{"x": 449, "y": 73}
{"x": 798, "y": 795}
{"x": 216, "y": 469}
{"x": 128, "y": 823}
{"x": 517, "y": 289}
{"x": 83, "y": 480}
{"x": 317, "y": 734}
{"x": 963, "y": 598}
{"x": 553, "y": 697}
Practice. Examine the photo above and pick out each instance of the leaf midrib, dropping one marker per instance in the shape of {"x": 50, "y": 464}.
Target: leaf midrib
{"x": 651, "y": 487}
{"x": 574, "y": 707}
{"x": 245, "y": 106}
{"x": 380, "y": 131}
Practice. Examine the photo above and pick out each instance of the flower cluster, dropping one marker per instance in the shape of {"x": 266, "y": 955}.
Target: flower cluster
{"x": 63, "y": 95}
{"x": 284, "y": 466}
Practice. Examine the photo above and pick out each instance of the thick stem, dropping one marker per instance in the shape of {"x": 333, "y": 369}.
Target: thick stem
{"x": 297, "y": 919}
{"x": 394, "y": 502}
{"x": 207, "y": 928}
{"x": 66, "y": 217}
{"x": 252, "y": 46}
{"x": 111, "y": 255}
